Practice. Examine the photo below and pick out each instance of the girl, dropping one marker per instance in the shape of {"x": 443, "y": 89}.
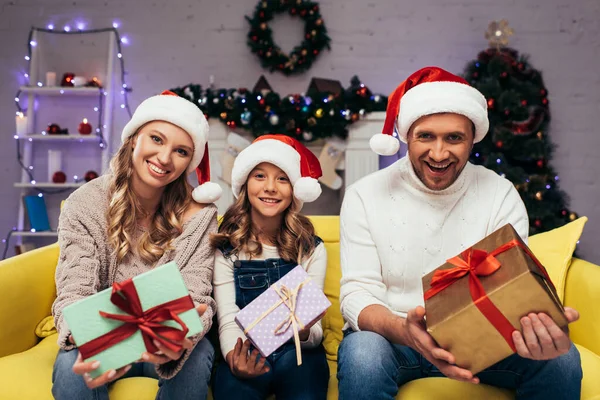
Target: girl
{"x": 261, "y": 238}
{"x": 140, "y": 215}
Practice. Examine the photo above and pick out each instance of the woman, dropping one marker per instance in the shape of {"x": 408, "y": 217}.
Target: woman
{"x": 140, "y": 215}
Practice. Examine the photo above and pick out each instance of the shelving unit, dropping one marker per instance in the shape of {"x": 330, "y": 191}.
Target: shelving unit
{"x": 35, "y": 98}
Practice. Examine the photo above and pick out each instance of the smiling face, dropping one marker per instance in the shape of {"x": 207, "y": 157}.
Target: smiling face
{"x": 438, "y": 147}
{"x": 269, "y": 192}
{"x": 161, "y": 153}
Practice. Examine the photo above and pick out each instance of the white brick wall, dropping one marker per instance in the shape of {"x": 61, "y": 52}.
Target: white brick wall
{"x": 174, "y": 42}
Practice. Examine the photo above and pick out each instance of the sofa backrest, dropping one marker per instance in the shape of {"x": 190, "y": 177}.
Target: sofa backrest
{"x": 328, "y": 228}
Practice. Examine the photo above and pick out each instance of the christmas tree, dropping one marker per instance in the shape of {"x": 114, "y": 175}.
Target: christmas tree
{"x": 518, "y": 145}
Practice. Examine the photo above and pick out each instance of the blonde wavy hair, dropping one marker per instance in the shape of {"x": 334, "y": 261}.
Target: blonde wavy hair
{"x": 124, "y": 211}
{"x": 294, "y": 240}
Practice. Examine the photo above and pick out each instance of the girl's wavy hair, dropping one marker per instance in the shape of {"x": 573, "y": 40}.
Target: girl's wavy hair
{"x": 124, "y": 210}
{"x": 294, "y": 240}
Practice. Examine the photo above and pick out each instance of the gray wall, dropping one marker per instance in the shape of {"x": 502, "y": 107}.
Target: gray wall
{"x": 173, "y": 42}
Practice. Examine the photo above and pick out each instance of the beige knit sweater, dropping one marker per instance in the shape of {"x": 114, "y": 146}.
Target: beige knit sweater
{"x": 86, "y": 265}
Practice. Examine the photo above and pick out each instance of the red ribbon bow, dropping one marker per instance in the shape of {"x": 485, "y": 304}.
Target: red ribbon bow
{"x": 125, "y": 296}
{"x": 481, "y": 263}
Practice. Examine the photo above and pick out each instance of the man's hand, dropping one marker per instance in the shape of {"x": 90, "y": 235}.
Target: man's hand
{"x": 542, "y": 339}
{"x": 244, "y": 365}
{"x": 417, "y": 337}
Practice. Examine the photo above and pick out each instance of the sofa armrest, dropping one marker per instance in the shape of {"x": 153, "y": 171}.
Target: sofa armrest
{"x": 582, "y": 292}
{"x": 27, "y": 291}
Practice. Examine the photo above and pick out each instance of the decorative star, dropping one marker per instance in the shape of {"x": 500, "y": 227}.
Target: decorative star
{"x": 498, "y": 33}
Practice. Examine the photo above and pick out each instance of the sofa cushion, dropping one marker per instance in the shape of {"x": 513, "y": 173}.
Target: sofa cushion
{"x": 555, "y": 248}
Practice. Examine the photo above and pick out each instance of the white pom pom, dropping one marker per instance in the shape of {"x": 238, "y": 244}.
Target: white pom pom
{"x": 307, "y": 189}
{"x": 385, "y": 145}
{"x": 206, "y": 193}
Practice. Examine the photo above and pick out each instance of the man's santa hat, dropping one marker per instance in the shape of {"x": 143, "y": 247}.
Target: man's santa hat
{"x": 169, "y": 107}
{"x": 300, "y": 164}
{"x": 430, "y": 90}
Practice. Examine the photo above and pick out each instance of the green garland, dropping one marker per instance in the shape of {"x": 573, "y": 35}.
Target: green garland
{"x": 318, "y": 115}
{"x": 260, "y": 36}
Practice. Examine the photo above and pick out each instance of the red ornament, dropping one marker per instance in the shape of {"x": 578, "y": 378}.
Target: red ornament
{"x": 504, "y": 74}
{"x": 231, "y": 124}
{"x": 564, "y": 213}
{"x": 90, "y": 175}
{"x": 521, "y": 66}
{"x": 261, "y": 102}
{"x": 543, "y": 92}
{"x": 499, "y": 144}
{"x": 254, "y": 38}
{"x": 261, "y": 14}
{"x": 491, "y": 103}
{"x": 307, "y": 36}
{"x": 59, "y": 177}
{"x": 475, "y": 75}
{"x": 298, "y": 131}
{"x": 84, "y": 127}
{"x": 293, "y": 11}
{"x": 524, "y": 103}
{"x": 315, "y": 52}
{"x": 540, "y": 163}
{"x": 303, "y": 13}
{"x": 538, "y": 223}
{"x": 507, "y": 112}
{"x": 545, "y": 101}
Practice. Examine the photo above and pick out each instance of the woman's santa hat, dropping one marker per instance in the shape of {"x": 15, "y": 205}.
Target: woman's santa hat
{"x": 169, "y": 107}
{"x": 430, "y": 90}
{"x": 300, "y": 164}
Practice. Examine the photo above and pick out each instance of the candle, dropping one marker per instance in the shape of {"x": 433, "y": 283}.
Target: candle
{"x": 50, "y": 78}
{"x": 21, "y": 121}
{"x": 85, "y": 128}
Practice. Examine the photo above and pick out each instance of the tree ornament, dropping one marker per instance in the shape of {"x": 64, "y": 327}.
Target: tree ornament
{"x": 540, "y": 163}
{"x": 538, "y": 196}
{"x": 223, "y": 115}
{"x": 274, "y": 119}
{"x": 319, "y": 113}
{"x": 311, "y": 121}
{"x": 538, "y": 223}
{"x": 572, "y": 216}
{"x": 246, "y": 117}
{"x": 307, "y": 136}
{"x": 491, "y": 103}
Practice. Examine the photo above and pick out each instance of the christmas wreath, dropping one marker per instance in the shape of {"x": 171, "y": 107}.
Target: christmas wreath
{"x": 260, "y": 36}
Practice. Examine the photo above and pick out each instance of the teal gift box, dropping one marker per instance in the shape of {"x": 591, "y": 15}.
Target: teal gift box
{"x": 162, "y": 296}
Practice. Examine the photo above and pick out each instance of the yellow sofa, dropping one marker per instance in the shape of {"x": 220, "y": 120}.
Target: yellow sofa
{"x": 28, "y": 339}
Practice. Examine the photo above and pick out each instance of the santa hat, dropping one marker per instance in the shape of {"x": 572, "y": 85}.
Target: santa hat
{"x": 300, "y": 164}
{"x": 169, "y": 107}
{"x": 430, "y": 90}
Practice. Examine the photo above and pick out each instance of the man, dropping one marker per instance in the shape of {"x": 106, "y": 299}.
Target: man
{"x": 402, "y": 222}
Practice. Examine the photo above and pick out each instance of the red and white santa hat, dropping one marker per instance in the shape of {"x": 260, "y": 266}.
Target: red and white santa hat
{"x": 300, "y": 164}
{"x": 430, "y": 90}
{"x": 169, "y": 107}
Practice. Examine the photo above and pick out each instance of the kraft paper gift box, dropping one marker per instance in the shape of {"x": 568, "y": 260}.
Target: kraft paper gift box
{"x": 163, "y": 298}
{"x": 269, "y": 320}
{"x": 475, "y": 322}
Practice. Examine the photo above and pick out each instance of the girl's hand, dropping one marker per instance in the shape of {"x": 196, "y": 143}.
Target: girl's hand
{"x": 244, "y": 365}
{"x": 305, "y": 332}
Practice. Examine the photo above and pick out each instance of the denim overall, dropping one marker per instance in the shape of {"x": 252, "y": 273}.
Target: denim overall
{"x": 285, "y": 379}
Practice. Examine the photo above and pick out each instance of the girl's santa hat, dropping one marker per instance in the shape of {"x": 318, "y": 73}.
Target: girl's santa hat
{"x": 430, "y": 90}
{"x": 300, "y": 164}
{"x": 169, "y": 107}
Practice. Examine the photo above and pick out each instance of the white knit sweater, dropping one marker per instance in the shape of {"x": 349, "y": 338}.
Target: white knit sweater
{"x": 394, "y": 230}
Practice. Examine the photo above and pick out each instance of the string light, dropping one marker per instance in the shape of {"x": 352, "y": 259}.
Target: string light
{"x": 67, "y": 28}
{"x": 50, "y": 26}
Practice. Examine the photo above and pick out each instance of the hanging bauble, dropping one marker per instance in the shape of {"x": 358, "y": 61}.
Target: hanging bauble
{"x": 572, "y": 216}
{"x": 332, "y": 112}
{"x": 540, "y": 135}
{"x": 311, "y": 121}
{"x": 246, "y": 117}
{"x": 539, "y": 196}
{"x": 348, "y": 114}
{"x": 274, "y": 119}
{"x": 538, "y": 223}
{"x": 319, "y": 113}
{"x": 540, "y": 163}
{"x": 491, "y": 103}
{"x": 543, "y": 92}
{"x": 308, "y": 136}
{"x": 223, "y": 116}
{"x": 216, "y": 100}
{"x": 524, "y": 103}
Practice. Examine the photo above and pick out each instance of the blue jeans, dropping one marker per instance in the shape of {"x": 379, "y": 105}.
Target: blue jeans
{"x": 285, "y": 379}
{"x": 189, "y": 383}
{"x": 371, "y": 367}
